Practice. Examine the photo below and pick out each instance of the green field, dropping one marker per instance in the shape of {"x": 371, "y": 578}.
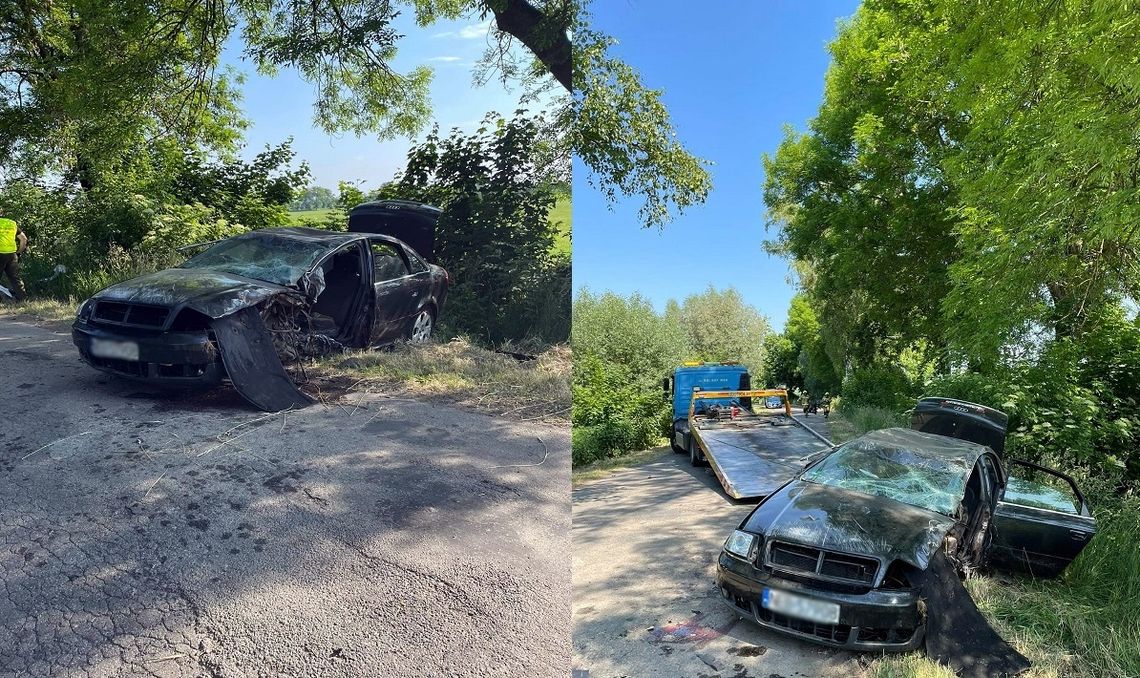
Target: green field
{"x": 313, "y": 215}
{"x": 560, "y": 214}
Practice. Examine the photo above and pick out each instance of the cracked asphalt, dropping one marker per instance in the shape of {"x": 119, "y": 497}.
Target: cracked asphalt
{"x": 149, "y": 535}
{"x": 646, "y": 540}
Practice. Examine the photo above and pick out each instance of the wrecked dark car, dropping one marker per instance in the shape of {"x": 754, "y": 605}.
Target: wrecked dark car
{"x": 863, "y": 548}
{"x": 245, "y": 305}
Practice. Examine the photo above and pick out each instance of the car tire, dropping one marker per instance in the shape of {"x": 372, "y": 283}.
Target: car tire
{"x": 694, "y": 453}
{"x": 422, "y": 327}
{"x": 673, "y": 443}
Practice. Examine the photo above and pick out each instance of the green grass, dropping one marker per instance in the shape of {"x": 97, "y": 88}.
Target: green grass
{"x": 304, "y": 216}
{"x": 560, "y": 215}
{"x": 847, "y": 422}
{"x": 604, "y": 467}
{"x": 41, "y": 310}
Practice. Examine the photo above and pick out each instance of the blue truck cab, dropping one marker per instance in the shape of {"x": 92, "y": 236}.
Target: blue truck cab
{"x": 679, "y": 386}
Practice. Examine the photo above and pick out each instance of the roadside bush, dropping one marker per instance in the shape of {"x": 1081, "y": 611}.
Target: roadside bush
{"x": 612, "y": 438}
{"x": 882, "y": 387}
{"x": 613, "y": 413}
{"x": 124, "y": 226}
{"x": 494, "y": 236}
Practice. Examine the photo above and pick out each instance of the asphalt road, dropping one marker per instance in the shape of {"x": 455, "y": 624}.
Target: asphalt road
{"x": 396, "y": 538}
{"x": 646, "y": 541}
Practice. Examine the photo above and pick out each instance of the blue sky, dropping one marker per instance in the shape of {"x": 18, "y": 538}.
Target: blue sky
{"x": 732, "y": 79}
{"x": 282, "y": 106}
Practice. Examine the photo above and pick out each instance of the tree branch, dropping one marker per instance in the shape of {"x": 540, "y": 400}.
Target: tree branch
{"x": 548, "y": 42}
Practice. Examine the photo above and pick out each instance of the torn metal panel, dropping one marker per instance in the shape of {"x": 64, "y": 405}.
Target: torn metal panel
{"x": 957, "y": 633}
{"x": 255, "y": 369}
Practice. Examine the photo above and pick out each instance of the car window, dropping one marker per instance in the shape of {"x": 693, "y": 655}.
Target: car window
{"x": 387, "y": 264}
{"x": 896, "y": 472}
{"x": 417, "y": 264}
{"x": 1027, "y": 486}
{"x": 264, "y": 256}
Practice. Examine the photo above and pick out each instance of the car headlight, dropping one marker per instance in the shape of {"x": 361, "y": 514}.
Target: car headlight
{"x": 741, "y": 544}
{"x": 85, "y": 309}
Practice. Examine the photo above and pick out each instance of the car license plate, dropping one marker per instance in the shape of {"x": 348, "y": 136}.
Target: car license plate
{"x": 119, "y": 350}
{"x": 800, "y": 607}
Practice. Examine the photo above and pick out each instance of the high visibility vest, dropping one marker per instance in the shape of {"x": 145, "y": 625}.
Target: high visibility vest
{"x": 7, "y": 236}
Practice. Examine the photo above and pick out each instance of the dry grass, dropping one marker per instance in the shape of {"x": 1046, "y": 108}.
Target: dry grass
{"x": 40, "y": 310}
{"x": 461, "y": 373}
{"x": 605, "y": 467}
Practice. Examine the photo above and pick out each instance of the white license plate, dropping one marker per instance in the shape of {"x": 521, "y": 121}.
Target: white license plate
{"x": 800, "y": 607}
{"x": 119, "y": 350}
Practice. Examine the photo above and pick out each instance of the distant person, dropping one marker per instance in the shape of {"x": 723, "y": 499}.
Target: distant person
{"x": 826, "y": 405}
{"x": 13, "y": 242}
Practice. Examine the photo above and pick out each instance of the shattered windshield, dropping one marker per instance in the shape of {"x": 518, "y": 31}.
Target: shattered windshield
{"x": 274, "y": 259}
{"x": 896, "y": 472}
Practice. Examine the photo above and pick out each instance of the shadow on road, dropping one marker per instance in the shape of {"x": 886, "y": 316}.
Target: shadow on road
{"x": 148, "y": 534}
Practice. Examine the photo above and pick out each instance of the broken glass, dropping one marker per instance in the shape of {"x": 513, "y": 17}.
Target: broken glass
{"x": 1025, "y": 492}
{"x": 274, "y": 259}
{"x": 906, "y": 466}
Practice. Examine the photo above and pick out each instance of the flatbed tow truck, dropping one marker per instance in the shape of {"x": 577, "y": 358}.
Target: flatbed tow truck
{"x": 752, "y": 445}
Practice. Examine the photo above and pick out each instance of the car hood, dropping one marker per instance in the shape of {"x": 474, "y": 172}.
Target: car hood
{"x": 212, "y": 293}
{"x": 851, "y": 522}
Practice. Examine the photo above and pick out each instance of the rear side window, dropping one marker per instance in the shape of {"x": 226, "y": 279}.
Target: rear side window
{"x": 417, "y": 264}
{"x": 387, "y": 263}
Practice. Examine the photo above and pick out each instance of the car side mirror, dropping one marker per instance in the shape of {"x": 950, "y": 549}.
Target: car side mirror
{"x": 665, "y": 386}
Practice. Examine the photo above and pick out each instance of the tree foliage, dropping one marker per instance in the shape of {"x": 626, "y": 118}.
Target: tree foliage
{"x": 622, "y": 132}
{"x": 313, "y": 198}
{"x": 623, "y": 347}
{"x": 494, "y": 236}
{"x": 965, "y": 202}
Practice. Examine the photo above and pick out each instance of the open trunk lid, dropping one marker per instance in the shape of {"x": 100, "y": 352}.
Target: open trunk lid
{"x": 410, "y": 221}
{"x": 961, "y": 419}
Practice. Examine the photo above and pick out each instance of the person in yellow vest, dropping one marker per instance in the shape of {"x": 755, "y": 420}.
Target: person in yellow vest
{"x": 13, "y": 242}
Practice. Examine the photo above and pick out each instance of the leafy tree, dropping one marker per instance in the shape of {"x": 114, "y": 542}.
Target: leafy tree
{"x": 628, "y": 331}
{"x": 964, "y": 205}
{"x": 494, "y": 236}
{"x": 314, "y": 198}
{"x": 781, "y": 367}
{"x": 720, "y": 327}
{"x": 622, "y": 132}
{"x": 86, "y": 88}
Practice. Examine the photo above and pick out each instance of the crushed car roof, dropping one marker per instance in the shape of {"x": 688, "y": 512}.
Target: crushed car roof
{"x": 313, "y": 235}
{"x": 928, "y": 445}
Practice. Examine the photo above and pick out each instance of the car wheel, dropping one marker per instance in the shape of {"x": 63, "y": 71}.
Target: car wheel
{"x": 422, "y": 327}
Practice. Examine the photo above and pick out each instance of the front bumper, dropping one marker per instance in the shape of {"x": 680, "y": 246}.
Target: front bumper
{"x": 174, "y": 359}
{"x": 874, "y": 621}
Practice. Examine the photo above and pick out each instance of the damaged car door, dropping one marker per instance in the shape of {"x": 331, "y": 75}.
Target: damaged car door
{"x": 398, "y": 291}
{"x": 1042, "y": 521}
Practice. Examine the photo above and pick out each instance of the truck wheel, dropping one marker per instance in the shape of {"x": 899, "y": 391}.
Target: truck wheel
{"x": 673, "y": 443}
{"x": 694, "y": 454}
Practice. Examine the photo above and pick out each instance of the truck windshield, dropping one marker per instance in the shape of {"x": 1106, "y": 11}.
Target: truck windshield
{"x": 277, "y": 260}
{"x": 924, "y": 480}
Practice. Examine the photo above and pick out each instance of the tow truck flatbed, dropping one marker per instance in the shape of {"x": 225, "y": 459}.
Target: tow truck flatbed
{"x": 751, "y": 454}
